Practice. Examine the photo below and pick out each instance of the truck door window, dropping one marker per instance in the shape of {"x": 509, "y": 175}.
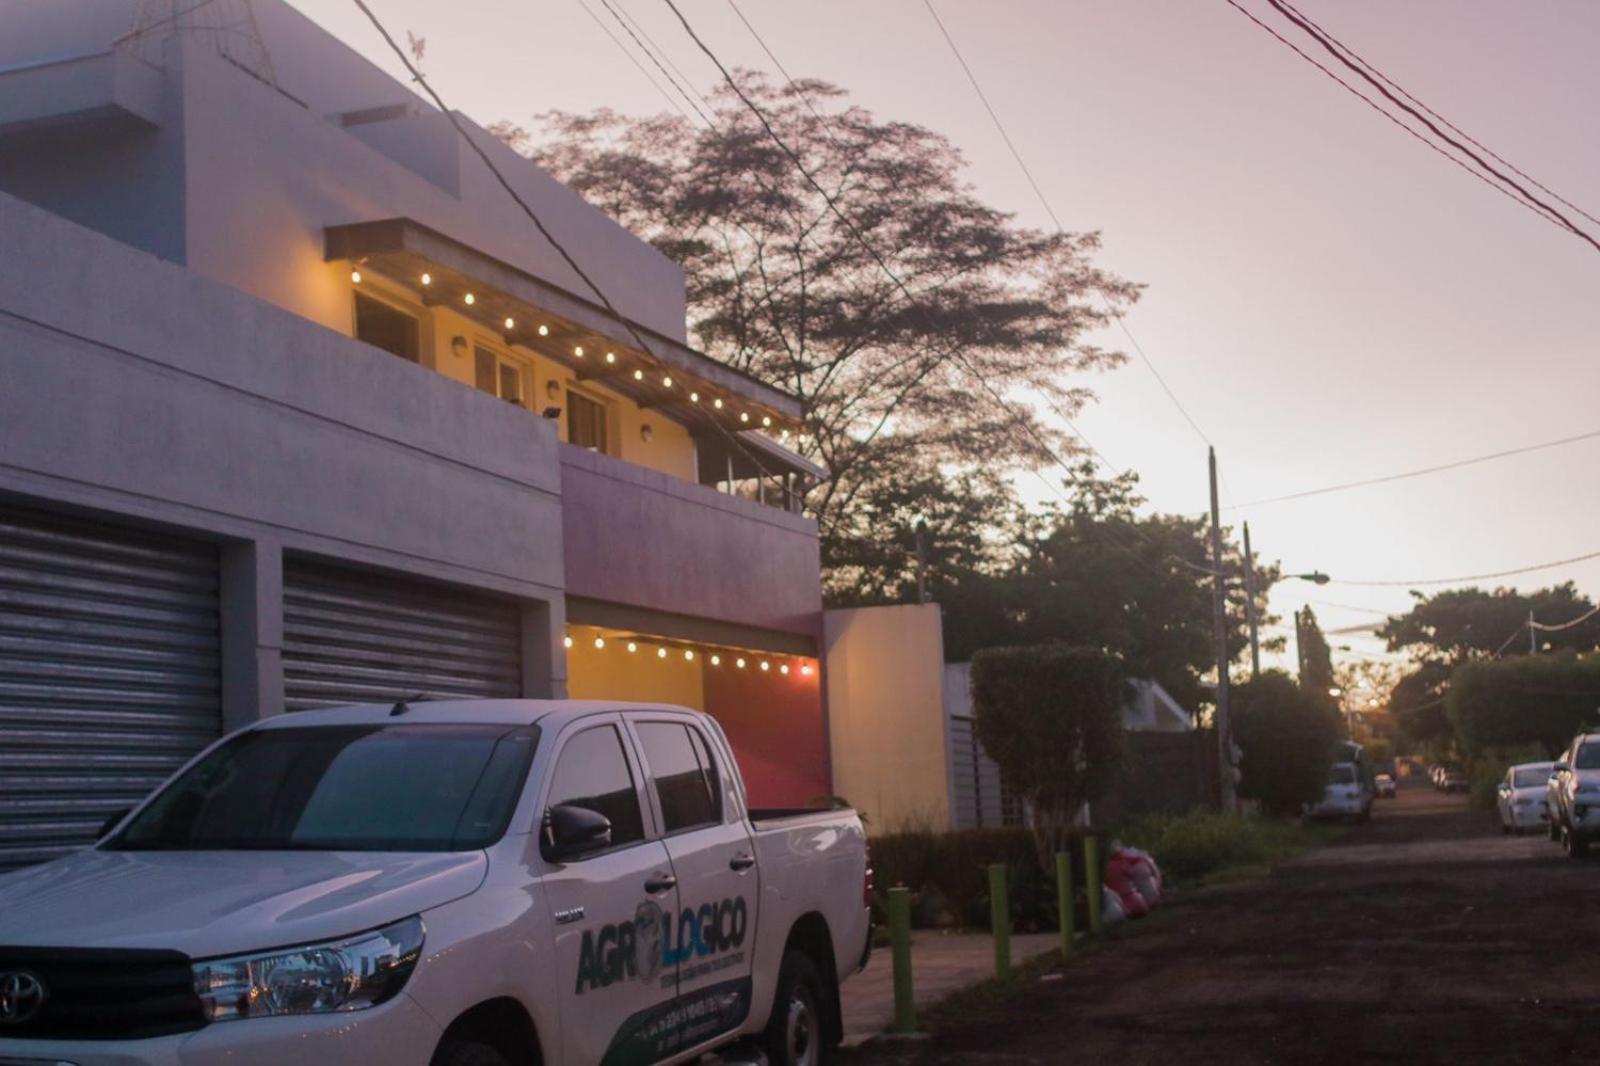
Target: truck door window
{"x": 684, "y": 778}
{"x": 592, "y": 772}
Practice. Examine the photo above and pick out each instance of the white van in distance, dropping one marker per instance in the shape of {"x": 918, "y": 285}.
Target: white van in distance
{"x": 475, "y": 883}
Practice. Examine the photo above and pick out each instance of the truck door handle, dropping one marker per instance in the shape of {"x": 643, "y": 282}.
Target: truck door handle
{"x": 741, "y": 863}
{"x": 660, "y": 883}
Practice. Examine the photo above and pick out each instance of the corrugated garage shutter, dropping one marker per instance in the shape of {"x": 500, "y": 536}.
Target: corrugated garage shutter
{"x": 357, "y": 637}
{"x": 109, "y": 673}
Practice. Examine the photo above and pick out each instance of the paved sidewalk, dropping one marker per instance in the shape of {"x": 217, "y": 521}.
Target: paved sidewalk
{"x": 940, "y": 964}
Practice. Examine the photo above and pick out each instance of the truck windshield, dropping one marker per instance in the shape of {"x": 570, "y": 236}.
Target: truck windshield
{"x": 1530, "y": 778}
{"x": 395, "y": 787}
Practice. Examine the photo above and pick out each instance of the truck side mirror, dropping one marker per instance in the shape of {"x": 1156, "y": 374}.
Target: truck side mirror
{"x": 571, "y": 832}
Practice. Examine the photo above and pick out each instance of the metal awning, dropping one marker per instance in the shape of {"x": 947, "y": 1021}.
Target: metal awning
{"x": 668, "y": 376}
{"x": 751, "y": 454}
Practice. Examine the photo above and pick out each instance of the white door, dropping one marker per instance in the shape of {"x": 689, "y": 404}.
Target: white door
{"x": 611, "y": 909}
{"x": 718, "y": 889}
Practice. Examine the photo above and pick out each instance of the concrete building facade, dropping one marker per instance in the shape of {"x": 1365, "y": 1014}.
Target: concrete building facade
{"x": 298, "y": 407}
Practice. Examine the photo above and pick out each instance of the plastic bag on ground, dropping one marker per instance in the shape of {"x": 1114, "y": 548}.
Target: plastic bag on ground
{"x": 1110, "y": 907}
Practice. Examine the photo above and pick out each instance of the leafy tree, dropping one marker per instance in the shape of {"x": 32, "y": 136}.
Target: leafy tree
{"x": 1461, "y": 624}
{"x": 1096, "y": 572}
{"x": 1417, "y": 705}
{"x": 1051, "y": 717}
{"x": 1316, "y": 658}
{"x": 1286, "y": 735}
{"x": 779, "y": 287}
{"x": 1528, "y": 699}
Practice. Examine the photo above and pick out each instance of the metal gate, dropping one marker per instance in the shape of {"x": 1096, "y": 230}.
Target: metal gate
{"x": 109, "y": 673}
{"x": 977, "y": 798}
{"x": 358, "y": 637}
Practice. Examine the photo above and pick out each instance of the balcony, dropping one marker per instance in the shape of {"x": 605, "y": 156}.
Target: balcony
{"x": 646, "y": 540}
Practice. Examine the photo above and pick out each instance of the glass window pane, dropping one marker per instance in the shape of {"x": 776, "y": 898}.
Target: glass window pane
{"x": 586, "y": 422}
{"x": 510, "y": 383}
{"x": 682, "y": 786}
{"x": 368, "y": 788}
{"x": 387, "y": 327}
{"x": 592, "y": 772}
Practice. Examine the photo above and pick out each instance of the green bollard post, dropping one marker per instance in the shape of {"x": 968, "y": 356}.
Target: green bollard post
{"x": 1064, "y": 900}
{"x": 1091, "y": 879}
{"x": 905, "y": 1004}
{"x": 1000, "y": 919}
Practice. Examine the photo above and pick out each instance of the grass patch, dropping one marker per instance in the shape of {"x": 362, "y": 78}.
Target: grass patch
{"x": 1204, "y": 847}
{"x": 975, "y": 1003}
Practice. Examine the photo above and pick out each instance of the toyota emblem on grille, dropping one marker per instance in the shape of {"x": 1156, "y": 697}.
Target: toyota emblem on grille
{"x": 22, "y": 997}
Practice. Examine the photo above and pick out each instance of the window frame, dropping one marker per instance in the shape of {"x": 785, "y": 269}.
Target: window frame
{"x": 649, "y": 822}
{"x": 608, "y": 410}
{"x": 373, "y": 289}
{"x": 729, "y": 806}
{"x": 504, "y": 356}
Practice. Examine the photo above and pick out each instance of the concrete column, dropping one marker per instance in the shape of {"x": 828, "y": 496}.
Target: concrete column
{"x": 252, "y": 632}
{"x": 544, "y": 656}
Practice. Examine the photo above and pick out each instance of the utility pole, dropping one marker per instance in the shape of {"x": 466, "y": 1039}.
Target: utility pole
{"x": 1219, "y": 622}
{"x": 1533, "y": 638}
{"x": 1250, "y": 606}
{"x": 1299, "y": 649}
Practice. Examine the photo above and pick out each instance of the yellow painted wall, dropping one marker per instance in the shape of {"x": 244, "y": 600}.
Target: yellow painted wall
{"x": 885, "y": 674}
{"x": 670, "y": 450}
{"x": 612, "y": 673}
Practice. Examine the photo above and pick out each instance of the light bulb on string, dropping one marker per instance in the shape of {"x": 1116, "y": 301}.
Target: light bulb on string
{"x": 716, "y": 660}
{"x": 661, "y": 653}
{"x": 567, "y": 641}
{"x": 427, "y": 279}
{"x": 599, "y": 642}
{"x": 739, "y": 663}
{"x": 784, "y": 669}
{"x": 688, "y": 655}
{"x": 765, "y": 666}
{"x": 632, "y": 647}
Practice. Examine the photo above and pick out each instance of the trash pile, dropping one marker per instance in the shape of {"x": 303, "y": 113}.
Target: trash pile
{"x": 1132, "y": 886}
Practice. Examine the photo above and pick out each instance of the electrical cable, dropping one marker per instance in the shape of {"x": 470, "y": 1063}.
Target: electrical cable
{"x": 1293, "y": 16}
{"x": 1358, "y": 94}
{"x": 1582, "y": 618}
{"x": 1353, "y": 54}
{"x": 668, "y": 97}
{"x": 1469, "y": 577}
{"x": 1044, "y": 202}
{"x": 1420, "y": 472}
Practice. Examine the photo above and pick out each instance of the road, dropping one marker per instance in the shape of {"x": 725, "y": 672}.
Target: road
{"x": 1425, "y": 936}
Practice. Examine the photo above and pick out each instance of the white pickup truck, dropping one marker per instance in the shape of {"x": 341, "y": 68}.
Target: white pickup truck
{"x": 484, "y": 883}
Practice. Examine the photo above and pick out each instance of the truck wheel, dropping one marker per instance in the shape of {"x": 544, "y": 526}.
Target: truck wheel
{"x": 797, "y": 1031}
{"x": 467, "y": 1053}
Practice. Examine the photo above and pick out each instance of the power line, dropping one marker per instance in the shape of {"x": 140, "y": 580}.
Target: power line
{"x": 1353, "y": 54}
{"x": 668, "y": 97}
{"x": 1469, "y": 577}
{"x": 1582, "y": 618}
{"x": 504, "y": 183}
{"x": 1373, "y": 104}
{"x": 1044, "y": 202}
{"x": 1328, "y": 45}
{"x": 650, "y": 55}
{"x": 1420, "y": 472}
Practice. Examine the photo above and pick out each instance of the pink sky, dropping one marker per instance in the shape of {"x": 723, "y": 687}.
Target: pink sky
{"x": 1329, "y": 299}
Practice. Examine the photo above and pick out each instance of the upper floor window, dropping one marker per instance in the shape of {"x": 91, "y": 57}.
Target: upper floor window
{"x": 587, "y": 422}
{"x": 385, "y": 326}
{"x": 500, "y": 375}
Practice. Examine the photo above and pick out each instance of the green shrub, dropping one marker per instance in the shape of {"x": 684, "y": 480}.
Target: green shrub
{"x": 1202, "y": 845}
{"x": 949, "y": 879}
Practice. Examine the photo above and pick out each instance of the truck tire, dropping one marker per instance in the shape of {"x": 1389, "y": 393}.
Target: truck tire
{"x": 796, "y": 1033}
{"x": 467, "y": 1053}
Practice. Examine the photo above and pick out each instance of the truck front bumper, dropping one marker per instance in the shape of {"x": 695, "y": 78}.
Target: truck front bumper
{"x": 396, "y": 1033}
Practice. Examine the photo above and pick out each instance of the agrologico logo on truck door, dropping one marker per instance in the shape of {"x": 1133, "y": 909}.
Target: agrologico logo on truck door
{"x": 653, "y": 941}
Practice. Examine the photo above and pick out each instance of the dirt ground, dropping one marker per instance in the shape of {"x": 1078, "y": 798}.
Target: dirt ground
{"x": 1425, "y": 936}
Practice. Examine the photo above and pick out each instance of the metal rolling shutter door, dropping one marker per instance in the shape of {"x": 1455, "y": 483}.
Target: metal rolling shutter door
{"x": 357, "y": 637}
{"x": 110, "y": 673}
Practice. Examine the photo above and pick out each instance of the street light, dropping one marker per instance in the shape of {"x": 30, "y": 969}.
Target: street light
{"x": 1316, "y": 577}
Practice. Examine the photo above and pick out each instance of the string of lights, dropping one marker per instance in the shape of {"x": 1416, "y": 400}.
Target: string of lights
{"x": 668, "y": 652}
{"x": 561, "y": 249}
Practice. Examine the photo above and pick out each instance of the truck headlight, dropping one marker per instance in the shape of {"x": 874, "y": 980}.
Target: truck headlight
{"x": 340, "y": 975}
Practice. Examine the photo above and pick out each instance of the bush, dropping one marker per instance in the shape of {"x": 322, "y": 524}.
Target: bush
{"x": 948, "y": 876}
{"x": 1528, "y": 699}
{"x": 1485, "y": 772}
{"x": 1051, "y": 717}
{"x": 1287, "y": 736}
{"x": 1202, "y": 845}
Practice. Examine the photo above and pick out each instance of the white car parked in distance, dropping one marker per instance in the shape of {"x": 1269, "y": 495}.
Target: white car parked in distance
{"x": 1346, "y": 795}
{"x": 461, "y": 883}
{"x": 1521, "y": 797}
{"x": 1574, "y": 795}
